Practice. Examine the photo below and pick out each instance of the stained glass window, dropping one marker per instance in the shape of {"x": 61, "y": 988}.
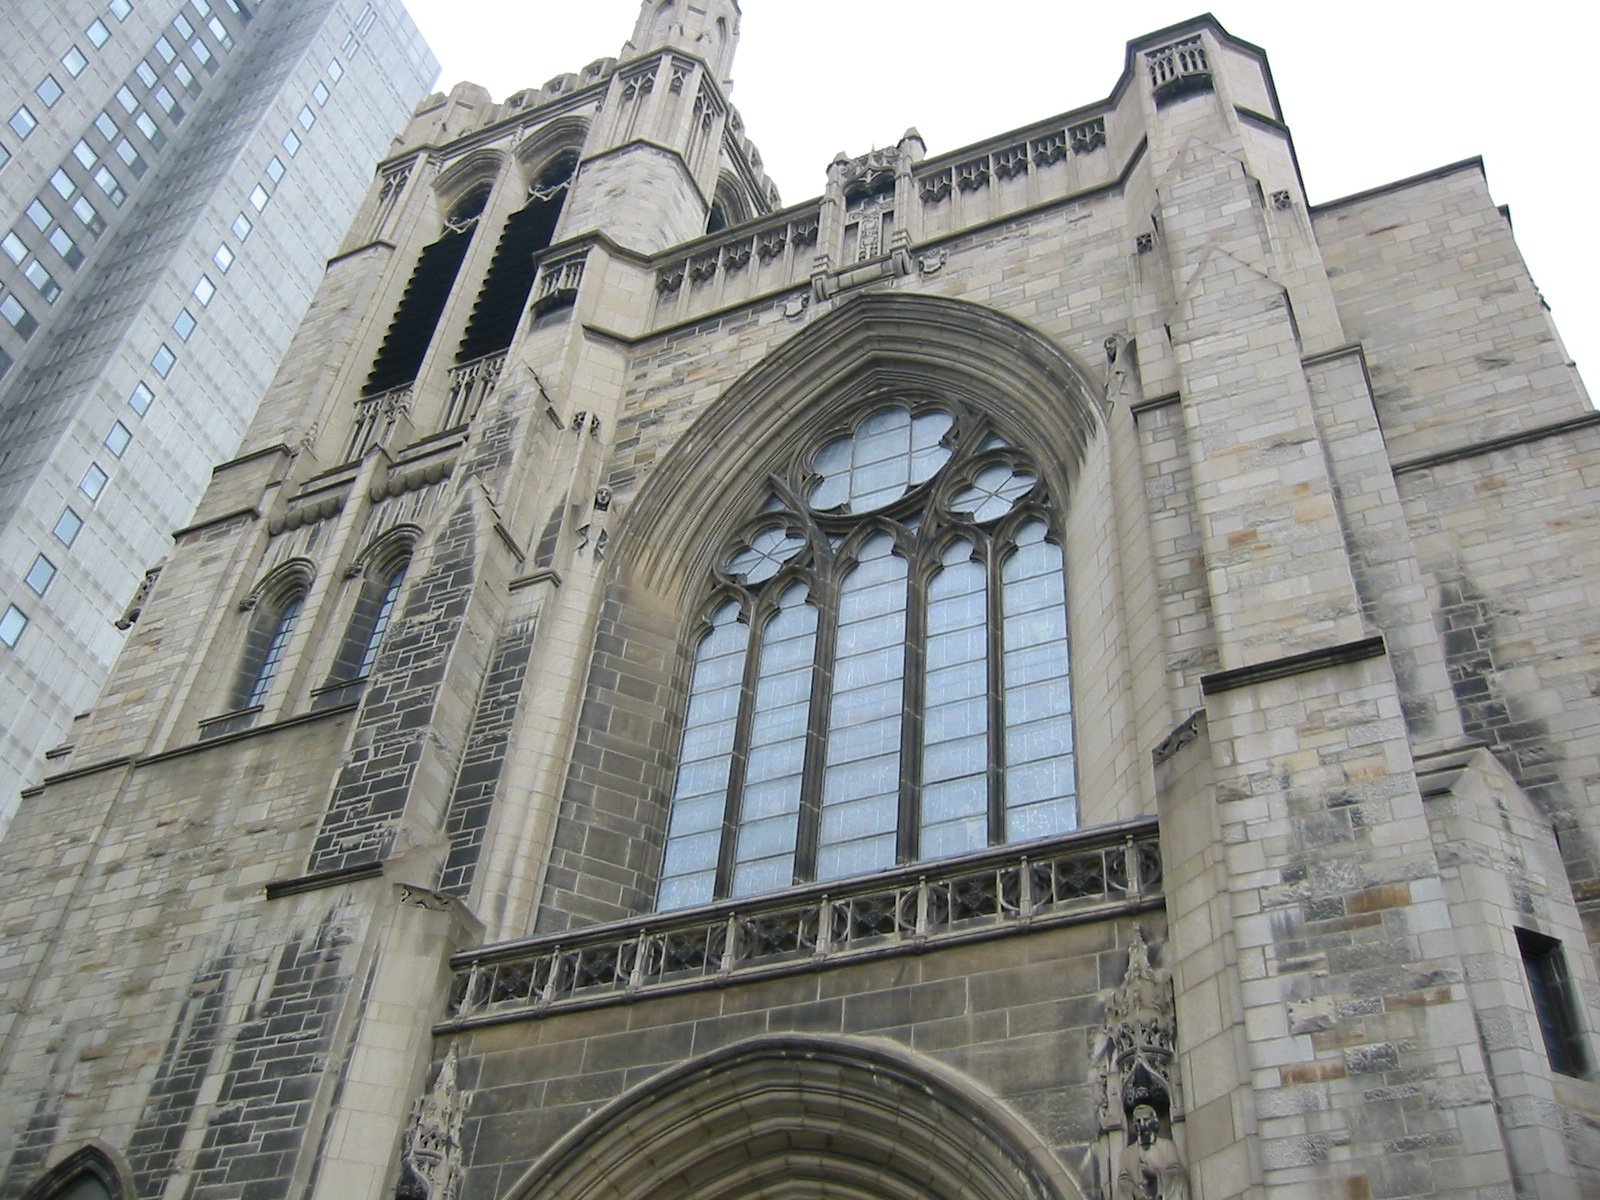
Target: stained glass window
{"x": 883, "y": 677}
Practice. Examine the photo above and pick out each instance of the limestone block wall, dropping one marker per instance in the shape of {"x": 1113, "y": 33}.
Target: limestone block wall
{"x": 1016, "y": 1018}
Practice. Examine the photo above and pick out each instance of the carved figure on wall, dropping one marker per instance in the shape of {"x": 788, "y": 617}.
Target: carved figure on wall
{"x": 1151, "y": 1168}
{"x": 430, "y": 1167}
{"x": 1138, "y": 1040}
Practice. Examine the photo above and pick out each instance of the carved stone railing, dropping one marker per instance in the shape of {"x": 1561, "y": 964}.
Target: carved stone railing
{"x": 558, "y": 281}
{"x": 1179, "y": 68}
{"x": 376, "y": 417}
{"x": 471, "y": 384}
{"x": 732, "y": 255}
{"x": 1011, "y": 160}
{"x": 1010, "y": 889}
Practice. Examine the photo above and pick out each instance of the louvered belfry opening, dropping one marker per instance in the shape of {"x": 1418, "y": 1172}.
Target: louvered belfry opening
{"x": 510, "y": 276}
{"x": 406, "y": 342}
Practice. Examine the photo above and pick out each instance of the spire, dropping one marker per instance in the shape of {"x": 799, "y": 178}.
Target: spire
{"x": 707, "y": 29}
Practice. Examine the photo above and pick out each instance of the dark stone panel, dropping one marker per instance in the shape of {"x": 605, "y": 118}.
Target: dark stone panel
{"x": 467, "y": 818}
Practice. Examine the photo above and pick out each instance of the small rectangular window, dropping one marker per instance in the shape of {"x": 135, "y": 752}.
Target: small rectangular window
{"x": 291, "y": 143}
{"x": 259, "y": 197}
{"x": 120, "y": 9}
{"x": 43, "y": 280}
{"x": 66, "y": 247}
{"x": 118, "y": 439}
{"x": 163, "y": 360}
{"x": 22, "y": 121}
{"x": 108, "y": 127}
{"x": 241, "y": 227}
{"x": 204, "y": 289}
{"x": 335, "y": 69}
{"x": 168, "y": 102}
{"x": 17, "y": 317}
{"x": 108, "y": 184}
{"x": 148, "y": 127}
{"x": 126, "y": 98}
{"x": 40, "y": 574}
{"x": 16, "y": 249}
{"x": 275, "y": 168}
{"x": 84, "y": 153}
{"x": 62, "y": 182}
{"x": 220, "y": 32}
{"x": 12, "y": 624}
{"x": 201, "y": 8}
{"x": 1554, "y": 1004}
{"x": 183, "y": 324}
{"x": 223, "y": 258}
{"x": 48, "y": 91}
{"x": 74, "y": 61}
{"x": 39, "y": 215}
{"x": 93, "y": 482}
{"x": 146, "y": 73}
{"x": 320, "y": 93}
{"x": 89, "y": 215}
{"x": 348, "y": 46}
{"x": 67, "y": 527}
{"x": 164, "y": 48}
{"x": 182, "y": 24}
{"x": 97, "y": 33}
{"x": 141, "y": 398}
{"x": 365, "y": 20}
{"x": 181, "y": 72}
{"x": 200, "y": 51}
{"x": 307, "y": 117}
{"x": 134, "y": 160}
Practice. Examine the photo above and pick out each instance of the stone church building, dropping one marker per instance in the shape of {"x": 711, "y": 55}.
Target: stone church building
{"x": 1053, "y": 671}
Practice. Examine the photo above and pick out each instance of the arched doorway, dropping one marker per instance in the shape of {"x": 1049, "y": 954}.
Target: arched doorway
{"x": 801, "y": 1118}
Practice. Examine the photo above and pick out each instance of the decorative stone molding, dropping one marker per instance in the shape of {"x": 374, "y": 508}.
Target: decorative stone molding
{"x": 471, "y": 384}
{"x": 558, "y": 282}
{"x": 1177, "y": 69}
{"x": 1282, "y": 199}
{"x": 913, "y": 908}
{"x": 1087, "y": 137}
{"x": 1144, "y": 243}
{"x": 431, "y": 1161}
{"x": 130, "y": 614}
{"x": 1138, "y": 1041}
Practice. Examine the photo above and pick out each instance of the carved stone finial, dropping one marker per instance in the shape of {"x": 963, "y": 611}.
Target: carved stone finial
{"x": 1138, "y": 1040}
{"x": 431, "y": 1165}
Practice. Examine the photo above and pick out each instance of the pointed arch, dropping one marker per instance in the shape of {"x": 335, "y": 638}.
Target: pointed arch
{"x": 1034, "y": 392}
{"x": 793, "y": 1115}
{"x": 93, "y": 1172}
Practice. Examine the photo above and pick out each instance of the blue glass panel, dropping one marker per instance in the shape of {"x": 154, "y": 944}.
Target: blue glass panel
{"x": 770, "y": 805}
{"x": 1039, "y": 785}
{"x": 955, "y": 754}
{"x": 688, "y": 870}
{"x": 861, "y": 784}
{"x": 888, "y": 454}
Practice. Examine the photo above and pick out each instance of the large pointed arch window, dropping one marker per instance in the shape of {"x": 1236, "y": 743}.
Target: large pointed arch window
{"x": 882, "y": 673}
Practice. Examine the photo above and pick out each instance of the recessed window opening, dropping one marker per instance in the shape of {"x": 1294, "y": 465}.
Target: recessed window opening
{"x": 405, "y": 344}
{"x": 504, "y": 294}
{"x": 264, "y": 651}
{"x": 1554, "y": 1002}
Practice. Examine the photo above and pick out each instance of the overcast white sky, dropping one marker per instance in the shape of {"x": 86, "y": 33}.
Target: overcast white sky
{"x": 1372, "y": 92}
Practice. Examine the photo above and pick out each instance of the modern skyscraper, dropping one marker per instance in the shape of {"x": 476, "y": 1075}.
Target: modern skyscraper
{"x": 173, "y": 175}
{"x": 1053, "y": 670}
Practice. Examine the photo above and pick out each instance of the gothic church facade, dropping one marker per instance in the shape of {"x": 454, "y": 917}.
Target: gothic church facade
{"x": 1054, "y": 670}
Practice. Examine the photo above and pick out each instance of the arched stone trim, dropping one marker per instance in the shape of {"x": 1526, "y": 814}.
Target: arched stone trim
{"x": 873, "y": 345}
{"x": 282, "y": 583}
{"x": 543, "y": 144}
{"x": 95, "y": 1161}
{"x": 478, "y": 169}
{"x": 794, "y": 1115}
{"x": 388, "y": 550}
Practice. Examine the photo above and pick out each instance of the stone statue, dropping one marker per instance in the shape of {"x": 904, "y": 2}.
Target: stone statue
{"x": 1151, "y": 1167}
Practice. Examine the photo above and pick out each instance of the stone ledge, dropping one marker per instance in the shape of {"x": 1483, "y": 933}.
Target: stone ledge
{"x": 318, "y": 880}
{"x": 1478, "y": 449}
{"x": 1294, "y": 664}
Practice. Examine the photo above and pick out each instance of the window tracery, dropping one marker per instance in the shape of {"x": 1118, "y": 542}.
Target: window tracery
{"x": 882, "y": 673}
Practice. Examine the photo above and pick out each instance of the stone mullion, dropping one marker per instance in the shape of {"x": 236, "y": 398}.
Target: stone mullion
{"x": 758, "y": 614}
{"x": 813, "y": 776}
